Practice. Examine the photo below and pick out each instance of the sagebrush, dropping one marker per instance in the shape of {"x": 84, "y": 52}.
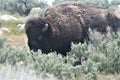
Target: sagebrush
{"x": 100, "y": 55}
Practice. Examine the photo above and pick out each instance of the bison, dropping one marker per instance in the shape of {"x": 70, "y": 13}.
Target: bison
{"x": 65, "y": 23}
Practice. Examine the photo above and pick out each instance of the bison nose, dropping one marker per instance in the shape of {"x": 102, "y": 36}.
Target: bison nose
{"x": 35, "y": 49}
{"x": 40, "y": 38}
{"x": 34, "y": 43}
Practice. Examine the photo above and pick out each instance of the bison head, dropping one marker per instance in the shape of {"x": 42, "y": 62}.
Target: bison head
{"x": 38, "y": 32}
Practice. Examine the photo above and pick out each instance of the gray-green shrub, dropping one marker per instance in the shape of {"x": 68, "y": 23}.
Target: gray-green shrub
{"x": 2, "y": 40}
{"x": 102, "y": 53}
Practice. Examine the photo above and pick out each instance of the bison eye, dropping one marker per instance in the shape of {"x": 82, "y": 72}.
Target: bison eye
{"x": 40, "y": 37}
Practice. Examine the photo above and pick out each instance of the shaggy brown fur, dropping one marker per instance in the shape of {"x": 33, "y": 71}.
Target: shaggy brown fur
{"x": 67, "y": 22}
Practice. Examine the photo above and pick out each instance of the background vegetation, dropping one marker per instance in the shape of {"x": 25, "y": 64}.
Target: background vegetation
{"x": 109, "y": 4}
{"x": 23, "y": 7}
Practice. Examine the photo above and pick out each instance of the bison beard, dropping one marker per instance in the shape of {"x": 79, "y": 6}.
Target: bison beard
{"x": 65, "y": 23}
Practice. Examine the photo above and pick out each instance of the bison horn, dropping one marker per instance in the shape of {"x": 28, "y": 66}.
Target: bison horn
{"x": 45, "y": 28}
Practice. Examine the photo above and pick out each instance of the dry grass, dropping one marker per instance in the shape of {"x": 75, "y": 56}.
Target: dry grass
{"x": 103, "y": 77}
{"x": 14, "y": 37}
{"x": 16, "y": 40}
{"x": 109, "y": 77}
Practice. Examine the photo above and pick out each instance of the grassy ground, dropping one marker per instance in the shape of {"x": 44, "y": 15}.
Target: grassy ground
{"x": 104, "y": 77}
{"x": 16, "y": 40}
{"x": 14, "y": 37}
{"x": 109, "y": 77}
